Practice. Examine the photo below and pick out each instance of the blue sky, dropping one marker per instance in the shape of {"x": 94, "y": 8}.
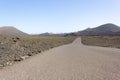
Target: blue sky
{"x": 58, "y": 16}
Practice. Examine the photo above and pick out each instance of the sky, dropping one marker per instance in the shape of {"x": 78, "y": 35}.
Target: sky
{"x": 58, "y": 16}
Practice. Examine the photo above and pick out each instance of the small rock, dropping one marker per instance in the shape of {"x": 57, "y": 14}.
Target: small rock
{"x": 29, "y": 54}
{"x": 39, "y": 51}
{"x": 24, "y": 57}
{"x": 17, "y": 38}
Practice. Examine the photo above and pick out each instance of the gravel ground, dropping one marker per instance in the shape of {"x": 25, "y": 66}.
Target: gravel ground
{"x": 69, "y": 62}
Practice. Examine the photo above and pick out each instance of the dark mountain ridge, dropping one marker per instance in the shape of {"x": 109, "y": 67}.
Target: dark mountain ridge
{"x": 106, "y": 29}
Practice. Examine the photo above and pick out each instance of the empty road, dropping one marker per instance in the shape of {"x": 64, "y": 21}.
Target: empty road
{"x": 74, "y": 61}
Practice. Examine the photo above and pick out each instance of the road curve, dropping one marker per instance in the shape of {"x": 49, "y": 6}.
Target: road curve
{"x": 69, "y": 62}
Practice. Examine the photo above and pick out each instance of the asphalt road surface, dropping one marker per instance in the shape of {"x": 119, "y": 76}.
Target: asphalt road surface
{"x": 68, "y": 62}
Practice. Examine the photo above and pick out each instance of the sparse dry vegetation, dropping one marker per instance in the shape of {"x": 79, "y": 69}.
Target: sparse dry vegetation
{"x": 104, "y": 41}
{"x": 17, "y": 48}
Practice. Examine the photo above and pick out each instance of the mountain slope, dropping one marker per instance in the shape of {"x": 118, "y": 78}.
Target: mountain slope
{"x": 106, "y": 29}
{"x": 9, "y": 30}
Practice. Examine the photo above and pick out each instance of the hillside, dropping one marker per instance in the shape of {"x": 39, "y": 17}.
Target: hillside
{"x": 9, "y": 30}
{"x": 106, "y": 29}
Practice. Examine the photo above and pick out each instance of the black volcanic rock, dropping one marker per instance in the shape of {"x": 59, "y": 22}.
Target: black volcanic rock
{"x": 9, "y": 30}
{"x": 106, "y": 29}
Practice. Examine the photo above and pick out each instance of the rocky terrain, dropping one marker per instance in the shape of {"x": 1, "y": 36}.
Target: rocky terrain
{"x": 74, "y": 61}
{"x": 104, "y": 41}
{"x": 17, "y": 48}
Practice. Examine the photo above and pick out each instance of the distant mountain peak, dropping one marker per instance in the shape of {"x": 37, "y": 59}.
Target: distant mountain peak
{"x": 10, "y": 30}
{"x": 88, "y": 29}
{"x": 109, "y": 25}
{"x": 105, "y": 29}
